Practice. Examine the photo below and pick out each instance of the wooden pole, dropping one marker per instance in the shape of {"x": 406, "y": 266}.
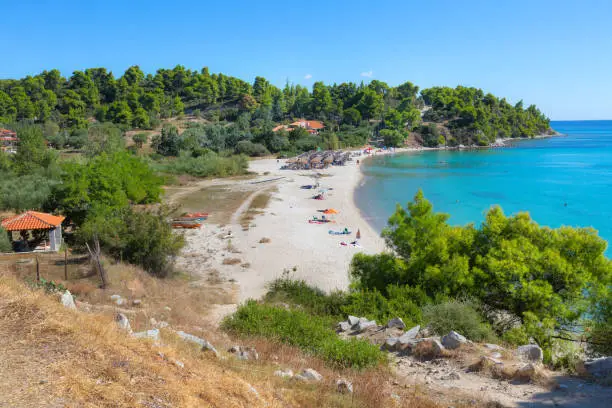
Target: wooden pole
{"x": 66, "y": 263}
{"x": 37, "y": 270}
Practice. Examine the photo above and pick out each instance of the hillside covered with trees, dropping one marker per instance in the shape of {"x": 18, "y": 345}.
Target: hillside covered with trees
{"x": 238, "y": 111}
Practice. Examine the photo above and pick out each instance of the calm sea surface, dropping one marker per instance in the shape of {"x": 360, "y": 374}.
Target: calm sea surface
{"x": 563, "y": 180}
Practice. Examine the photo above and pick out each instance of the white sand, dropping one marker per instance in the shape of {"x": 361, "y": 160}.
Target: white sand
{"x": 316, "y": 255}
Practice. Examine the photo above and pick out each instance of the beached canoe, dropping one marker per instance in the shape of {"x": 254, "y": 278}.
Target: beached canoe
{"x": 188, "y": 225}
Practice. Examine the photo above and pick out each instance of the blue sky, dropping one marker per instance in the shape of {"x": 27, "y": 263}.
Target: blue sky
{"x": 556, "y": 54}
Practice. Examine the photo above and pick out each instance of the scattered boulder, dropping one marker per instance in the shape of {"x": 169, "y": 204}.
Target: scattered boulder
{"x": 599, "y": 367}
{"x": 344, "y": 386}
{"x": 525, "y": 372}
{"x": 136, "y": 302}
{"x": 453, "y": 340}
{"x": 288, "y": 373}
{"x": 148, "y": 334}
{"x": 309, "y": 375}
{"x": 67, "y": 300}
{"x": 412, "y": 333}
{"x": 244, "y": 353}
{"x": 496, "y": 355}
{"x": 483, "y": 363}
{"x": 122, "y": 322}
{"x": 117, "y": 299}
{"x": 179, "y": 364}
{"x": 428, "y": 348}
{"x": 206, "y": 346}
{"x": 493, "y": 346}
{"x": 344, "y": 326}
{"x": 353, "y": 320}
{"x": 408, "y": 339}
{"x": 530, "y": 353}
{"x": 390, "y": 344}
{"x": 396, "y": 322}
{"x": 365, "y": 324}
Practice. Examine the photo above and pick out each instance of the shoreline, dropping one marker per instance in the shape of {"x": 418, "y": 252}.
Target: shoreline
{"x": 299, "y": 249}
{"x": 279, "y": 241}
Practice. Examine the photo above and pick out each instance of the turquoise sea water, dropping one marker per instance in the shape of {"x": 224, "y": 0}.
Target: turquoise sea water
{"x": 564, "y": 180}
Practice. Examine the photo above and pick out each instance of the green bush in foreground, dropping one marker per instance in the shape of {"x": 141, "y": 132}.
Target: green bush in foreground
{"x": 313, "y": 334}
{"x": 460, "y": 316}
{"x": 313, "y": 300}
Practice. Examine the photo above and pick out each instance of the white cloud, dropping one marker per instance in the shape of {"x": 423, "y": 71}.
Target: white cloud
{"x": 307, "y": 76}
{"x": 367, "y": 74}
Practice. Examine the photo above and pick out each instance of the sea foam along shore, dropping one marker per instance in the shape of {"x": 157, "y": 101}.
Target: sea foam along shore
{"x": 298, "y": 248}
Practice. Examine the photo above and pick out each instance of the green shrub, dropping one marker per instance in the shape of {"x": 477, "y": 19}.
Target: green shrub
{"x": 251, "y": 149}
{"x": 460, "y": 316}
{"x": 516, "y": 336}
{"x": 313, "y": 334}
{"x": 400, "y": 301}
{"x": 5, "y": 243}
{"x": 209, "y": 164}
{"x": 139, "y": 237}
{"x": 47, "y": 286}
{"x": 313, "y": 300}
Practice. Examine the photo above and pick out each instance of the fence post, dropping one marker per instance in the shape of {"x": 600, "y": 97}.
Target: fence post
{"x": 66, "y": 263}
{"x": 37, "y": 270}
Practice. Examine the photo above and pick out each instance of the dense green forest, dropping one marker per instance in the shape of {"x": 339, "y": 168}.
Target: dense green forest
{"x": 245, "y": 112}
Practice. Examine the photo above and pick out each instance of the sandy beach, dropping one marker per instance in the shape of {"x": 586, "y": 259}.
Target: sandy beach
{"x": 296, "y": 248}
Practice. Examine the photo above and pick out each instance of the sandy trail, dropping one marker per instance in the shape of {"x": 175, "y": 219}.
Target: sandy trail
{"x": 297, "y": 248}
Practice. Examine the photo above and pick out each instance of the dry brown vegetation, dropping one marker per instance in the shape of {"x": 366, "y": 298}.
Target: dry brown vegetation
{"x": 58, "y": 357}
{"x": 256, "y": 207}
{"x": 231, "y": 261}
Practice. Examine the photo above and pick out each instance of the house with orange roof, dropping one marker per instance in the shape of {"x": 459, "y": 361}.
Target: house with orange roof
{"x": 38, "y": 231}
{"x": 8, "y": 141}
{"x": 312, "y": 126}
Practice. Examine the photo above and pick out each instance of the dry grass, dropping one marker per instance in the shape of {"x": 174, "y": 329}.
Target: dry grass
{"x": 179, "y": 301}
{"x": 231, "y": 261}
{"x": 53, "y": 356}
{"x": 265, "y": 240}
{"x": 256, "y": 207}
{"x": 221, "y": 201}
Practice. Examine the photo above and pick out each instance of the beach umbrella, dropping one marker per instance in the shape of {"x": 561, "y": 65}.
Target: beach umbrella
{"x": 358, "y": 236}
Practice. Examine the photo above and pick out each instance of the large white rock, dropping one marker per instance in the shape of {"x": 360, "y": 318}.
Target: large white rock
{"x": 67, "y": 300}
{"x": 199, "y": 341}
{"x": 599, "y": 367}
{"x": 344, "y": 326}
{"x": 411, "y": 334}
{"x": 288, "y": 373}
{"x": 122, "y": 322}
{"x": 530, "y": 353}
{"x": 526, "y": 372}
{"x": 117, "y": 299}
{"x": 344, "y": 386}
{"x": 148, "y": 334}
{"x": 390, "y": 344}
{"x": 309, "y": 375}
{"x": 352, "y": 320}
{"x": 244, "y": 353}
{"x": 365, "y": 324}
{"x": 428, "y": 347}
{"x": 453, "y": 340}
{"x": 396, "y": 322}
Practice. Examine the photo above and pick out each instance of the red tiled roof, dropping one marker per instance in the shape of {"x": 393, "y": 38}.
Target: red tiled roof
{"x": 6, "y": 132}
{"x": 309, "y": 124}
{"x": 32, "y": 220}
